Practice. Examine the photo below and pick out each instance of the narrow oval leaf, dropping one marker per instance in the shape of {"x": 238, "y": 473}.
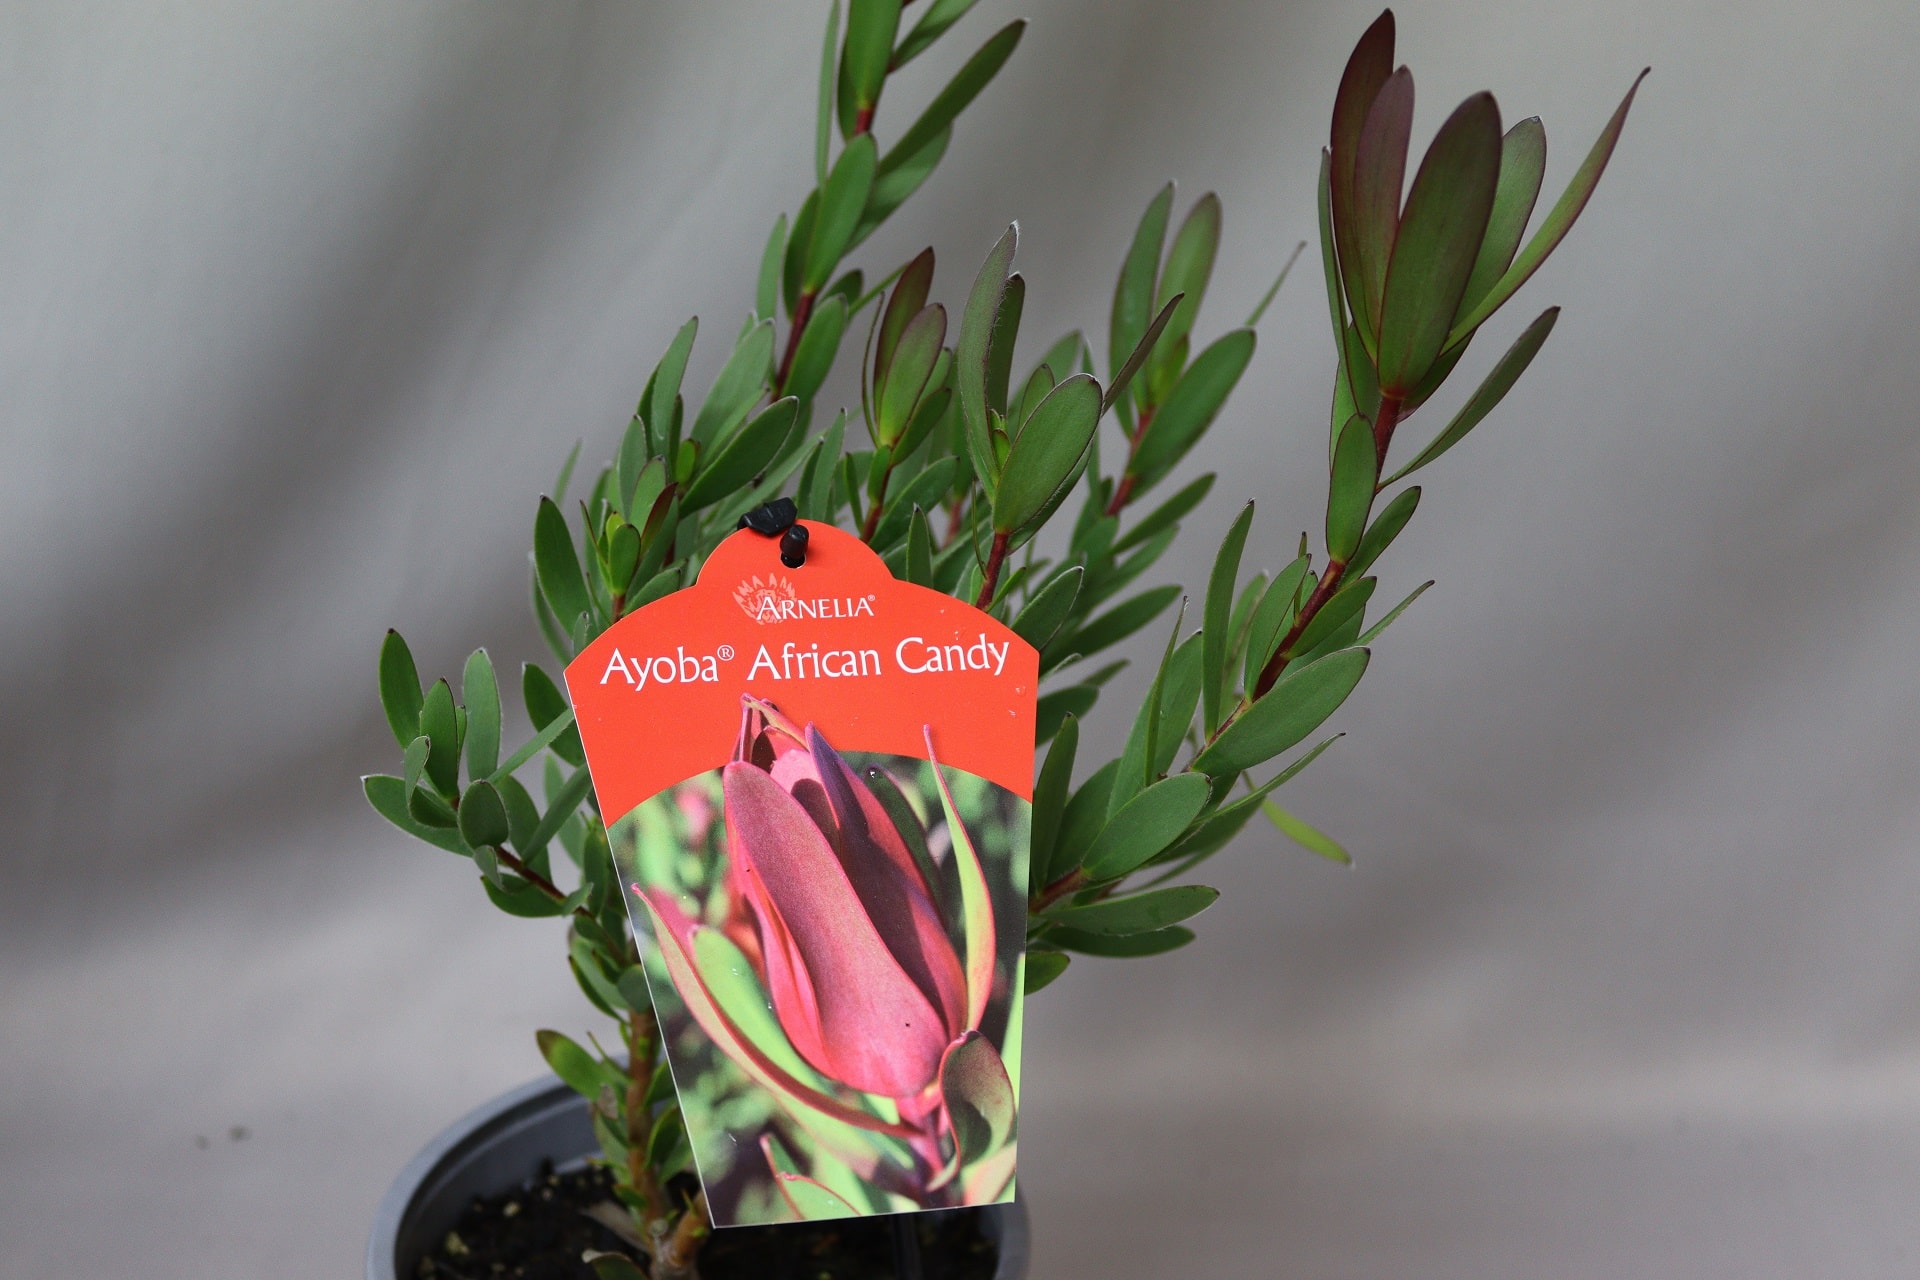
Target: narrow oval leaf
{"x": 738, "y": 387}
{"x": 388, "y": 796}
{"x": 1159, "y": 942}
{"x": 1350, "y": 491}
{"x": 1366, "y": 74}
{"x": 1189, "y": 268}
{"x": 1192, "y": 406}
{"x": 766, "y": 294}
{"x": 1043, "y": 967}
{"x": 1523, "y": 163}
{"x": 933, "y": 24}
{"x": 1147, "y": 824}
{"x": 906, "y": 378}
{"x": 1167, "y": 513}
{"x": 557, "y": 564}
{"x": 897, "y": 178}
{"x": 546, "y": 704}
{"x": 440, "y": 722}
{"x": 1051, "y": 448}
{"x": 976, "y": 903}
{"x": 1379, "y": 173}
{"x": 666, "y": 379}
{"x": 1041, "y": 618}
{"x": 1298, "y": 703}
{"x": 1490, "y": 392}
{"x": 400, "y": 695}
{"x": 743, "y": 456}
{"x": 582, "y": 1072}
{"x": 1305, "y": 834}
{"x": 1221, "y": 585}
{"x": 819, "y": 343}
{"x": 1140, "y": 912}
{"x": 1119, "y": 622}
{"x": 972, "y": 348}
{"x": 842, "y": 200}
{"x": 909, "y": 297}
{"x": 965, "y": 86}
{"x": 1559, "y": 221}
{"x": 1440, "y": 235}
{"x": 483, "y": 816}
{"x": 480, "y": 690}
{"x": 1385, "y": 528}
{"x": 872, "y": 26}
{"x": 1050, "y": 791}
{"x": 1139, "y": 276}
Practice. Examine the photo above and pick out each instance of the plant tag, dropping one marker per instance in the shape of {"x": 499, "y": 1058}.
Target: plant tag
{"x": 817, "y": 786}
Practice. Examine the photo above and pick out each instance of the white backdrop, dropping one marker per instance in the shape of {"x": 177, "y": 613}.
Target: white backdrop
{"x": 303, "y": 303}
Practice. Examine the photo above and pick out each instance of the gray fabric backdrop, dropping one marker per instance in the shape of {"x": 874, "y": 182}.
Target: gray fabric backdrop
{"x": 304, "y": 302}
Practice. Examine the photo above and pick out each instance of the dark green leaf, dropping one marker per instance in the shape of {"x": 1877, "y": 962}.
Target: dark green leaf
{"x": 742, "y": 458}
{"x": 1221, "y": 585}
{"x": 1041, "y": 618}
{"x": 823, "y": 125}
{"x": 1440, "y": 235}
{"x": 1050, "y": 451}
{"x": 906, "y": 377}
{"x": 1136, "y": 758}
{"x": 399, "y": 688}
{"x": 1264, "y": 627}
{"x": 1146, "y": 824}
{"x": 933, "y": 24}
{"x": 1192, "y": 405}
{"x": 388, "y": 796}
{"x": 1156, "y": 943}
{"x": 1345, "y": 607}
{"x": 919, "y": 550}
{"x": 1050, "y": 794}
{"x": 766, "y": 295}
{"x": 1149, "y": 341}
{"x": 973, "y": 349}
{"x": 1559, "y": 221}
{"x": 842, "y": 200}
{"x": 966, "y": 85}
{"x": 871, "y": 28}
{"x": 1491, "y": 392}
{"x": 924, "y": 491}
{"x": 1374, "y": 631}
{"x": 545, "y": 704}
{"x": 898, "y": 177}
{"x": 1350, "y": 492}
{"x": 483, "y": 816}
{"x": 1298, "y": 703}
{"x": 1139, "y": 276}
{"x": 1189, "y": 267}
{"x": 441, "y": 725}
{"x": 667, "y": 376}
{"x": 1006, "y": 329}
{"x": 909, "y": 297}
{"x": 799, "y": 240}
{"x": 1179, "y": 697}
{"x": 1140, "y": 912}
{"x": 738, "y": 388}
{"x": 1119, "y": 622}
{"x": 819, "y": 343}
{"x": 557, "y": 564}
{"x": 1167, "y": 513}
{"x": 1042, "y": 967}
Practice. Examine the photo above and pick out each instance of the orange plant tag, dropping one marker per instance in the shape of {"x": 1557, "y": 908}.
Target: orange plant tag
{"x": 816, "y": 784}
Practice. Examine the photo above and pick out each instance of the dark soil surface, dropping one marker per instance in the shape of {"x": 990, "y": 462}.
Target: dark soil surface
{"x": 539, "y": 1232}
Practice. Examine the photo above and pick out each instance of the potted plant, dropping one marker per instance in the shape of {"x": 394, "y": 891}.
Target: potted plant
{"x": 1011, "y": 493}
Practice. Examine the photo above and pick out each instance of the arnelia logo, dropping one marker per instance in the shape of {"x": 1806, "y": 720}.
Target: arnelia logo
{"x": 775, "y": 600}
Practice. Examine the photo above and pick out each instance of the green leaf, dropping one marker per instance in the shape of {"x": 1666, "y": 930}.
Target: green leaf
{"x": 388, "y": 796}
{"x": 441, "y": 725}
{"x": 668, "y": 1135}
{"x": 1350, "y": 492}
{"x": 661, "y": 402}
{"x": 1523, "y": 163}
{"x": 483, "y": 816}
{"x": 1119, "y": 622}
{"x": 1491, "y": 392}
{"x": 1298, "y": 703}
{"x": 481, "y": 692}
{"x": 973, "y": 348}
{"x": 919, "y": 550}
{"x": 1083, "y": 821}
{"x": 1189, "y": 267}
{"x": 557, "y": 564}
{"x": 841, "y": 201}
{"x": 735, "y": 465}
{"x": 1306, "y": 835}
{"x": 965, "y": 86}
{"x": 933, "y": 24}
{"x": 1050, "y": 792}
{"x": 1146, "y": 824}
{"x": 904, "y": 305}
{"x": 1043, "y": 967}
{"x": 1336, "y": 299}
{"x": 978, "y": 1095}
{"x": 916, "y": 353}
{"x": 823, "y": 125}
{"x": 766, "y": 294}
{"x": 738, "y": 387}
{"x": 1133, "y": 293}
{"x": 1048, "y": 609}
{"x": 413, "y": 761}
{"x": 1440, "y": 234}
{"x": 1221, "y": 585}
{"x": 871, "y": 28}
{"x": 799, "y": 240}
{"x": 1140, "y": 912}
{"x": 1373, "y": 632}
{"x": 1192, "y": 405}
{"x": 976, "y": 902}
{"x": 1049, "y": 453}
{"x": 1159, "y": 942}
{"x": 923, "y": 491}
{"x": 1264, "y": 627}
{"x": 1136, "y": 758}
{"x": 1179, "y": 697}
{"x": 399, "y": 688}
{"x": 1167, "y": 513}
{"x": 1149, "y": 342}
{"x": 1006, "y": 329}
{"x": 1273, "y": 290}
{"x": 1344, "y": 608}
{"x": 582, "y": 1072}
{"x": 1558, "y": 222}
{"x": 898, "y": 177}
{"x": 561, "y": 807}
{"x": 819, "y": 343}
{"x": 566, "y": 473}
{"x": 816, "y": 475}
{"x": 546, "y": 704}
{"x": 1385, "y": 528}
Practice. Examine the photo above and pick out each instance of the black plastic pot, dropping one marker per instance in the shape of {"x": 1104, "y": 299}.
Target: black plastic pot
{"x": 499, "y": 1145}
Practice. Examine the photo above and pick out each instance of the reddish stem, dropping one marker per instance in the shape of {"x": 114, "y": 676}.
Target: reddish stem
{"x": 1123, "y": 492}
{"x": 863, "y": 120}
{"x": 872, "y": 522}
{"x": 801, "y": 311}
{"x": 991, "y": 578}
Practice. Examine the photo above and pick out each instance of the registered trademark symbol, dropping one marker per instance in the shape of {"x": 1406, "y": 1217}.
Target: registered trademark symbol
{"x": 872, "y": 596}
{"x": 725, "y": 653}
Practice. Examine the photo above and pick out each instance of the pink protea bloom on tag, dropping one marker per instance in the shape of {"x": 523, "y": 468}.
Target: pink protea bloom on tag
{"x": 857, "y": 960}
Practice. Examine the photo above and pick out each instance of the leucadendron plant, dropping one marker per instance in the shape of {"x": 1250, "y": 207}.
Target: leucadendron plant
{"x": 953, "y": 469}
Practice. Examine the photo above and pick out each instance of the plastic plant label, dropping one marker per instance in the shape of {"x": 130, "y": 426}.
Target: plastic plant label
{"x": 817, "y": 785}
